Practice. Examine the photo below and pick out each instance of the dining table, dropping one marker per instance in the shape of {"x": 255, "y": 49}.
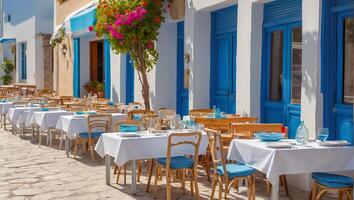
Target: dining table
{"x": 4, "y": 108}
{"x": 143, "y": 145}
{"x": 14, "y": 113}
{"x": 291, "y": 158}
{"x": 72, "y": 125}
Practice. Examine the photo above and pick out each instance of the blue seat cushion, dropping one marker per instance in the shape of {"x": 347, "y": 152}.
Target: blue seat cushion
{"x": 177, "y": 162}
{"x": 93, "y": 135}
{"x": 235, "y": 170}
{"x": 332, "y": 180}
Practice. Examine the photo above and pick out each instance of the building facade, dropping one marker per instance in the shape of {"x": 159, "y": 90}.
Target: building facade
{"x": 26, "y": 30}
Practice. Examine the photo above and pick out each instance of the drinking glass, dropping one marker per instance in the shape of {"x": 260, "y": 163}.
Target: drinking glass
{"x": 177, "y": 118}
{"x": 322, "y": 134}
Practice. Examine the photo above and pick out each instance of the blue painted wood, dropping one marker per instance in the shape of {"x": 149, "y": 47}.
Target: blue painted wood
{"x": 336, "y": 114}
{"x": 23, "y": 61}
{"x": 129, "y": 95}
{"x": 223, "y": 59}
{"x": 182, "y": 93}
{"x": 76, "y": 74}
{"x": 282, "y": 12}
{"x": 280, "y": 15}
{"x": 107, "y": 68}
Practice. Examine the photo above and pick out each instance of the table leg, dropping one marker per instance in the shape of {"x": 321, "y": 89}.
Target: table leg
{"x": 5, "y": 122}
{"x": 150, "y": 174}
{"x": 275, "y": 190}
{"x": 67, "y": 144}
{"x": 133, "y": 163}
{"x": 50, "y": 137}
{"x": 108, "y": 169}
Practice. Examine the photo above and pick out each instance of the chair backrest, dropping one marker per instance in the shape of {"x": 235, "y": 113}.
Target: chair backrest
{"x": 116, "y": 126}
{"x": 216, "y": 149}
{"x": 247, "y": 130}
{"x": 176, "y": 140}
{"x": 64, "y": 99}
{"x": 100, "y": 121}
{"x": 200, "y": 112}
{"x": 139, "y": 105}
{"x": 142, "y": 113}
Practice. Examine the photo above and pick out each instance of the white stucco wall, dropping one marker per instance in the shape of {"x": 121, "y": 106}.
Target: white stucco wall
{"x": 118, "y": 77}
{"x": 29, "y": 19}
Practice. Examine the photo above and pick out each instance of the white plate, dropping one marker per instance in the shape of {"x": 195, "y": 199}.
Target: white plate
{"x": 278, "y": 145}
{"x": 336, "y": 143}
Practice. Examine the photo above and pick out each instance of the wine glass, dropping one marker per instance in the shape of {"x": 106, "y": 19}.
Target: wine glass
{"x": 322, "y": 134}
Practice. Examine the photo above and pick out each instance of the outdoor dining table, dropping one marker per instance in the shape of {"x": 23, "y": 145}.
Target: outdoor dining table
{"x": 4, "y": 108}
{"x": 14, "y": 113}
{"x": 72, "y": 125}
{"x": 46, "y": 120}
{"x": 295, "y": 160}
{"x": 145, "y": 146}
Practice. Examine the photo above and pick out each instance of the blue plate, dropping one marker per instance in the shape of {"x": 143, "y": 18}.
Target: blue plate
{"x": 269, "y": 137}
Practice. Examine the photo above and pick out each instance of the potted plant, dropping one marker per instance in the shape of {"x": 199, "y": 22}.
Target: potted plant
{"x": 100, "y": 90}
{"x": 132, "y": 27}
{"x": 8, "y": 67}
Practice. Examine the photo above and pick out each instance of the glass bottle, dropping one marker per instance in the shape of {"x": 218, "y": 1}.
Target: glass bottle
{"x": 302, "y": 133}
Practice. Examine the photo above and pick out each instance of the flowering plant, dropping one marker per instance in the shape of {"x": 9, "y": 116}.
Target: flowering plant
{"x": 132, "y": 26}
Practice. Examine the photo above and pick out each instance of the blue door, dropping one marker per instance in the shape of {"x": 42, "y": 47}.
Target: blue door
{"x": 76, "y": 71}
{"x": 281, "y": 68}
{"x": 338, "y": 51}
{"x": 182, "y": 92}
{"x": 129, "y": 95}
{"x": 23, "y": 61}
{"x": 223, "y": 59}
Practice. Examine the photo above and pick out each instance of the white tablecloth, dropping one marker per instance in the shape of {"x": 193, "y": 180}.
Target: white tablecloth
{"x": 298, "y": 160}
{"x": 14, "y": 114}
{"x": 72, "y": 125}
{"x": 124, "y": 149}
{"x": 5, "y": 106}
{"x": 48, "y": 119}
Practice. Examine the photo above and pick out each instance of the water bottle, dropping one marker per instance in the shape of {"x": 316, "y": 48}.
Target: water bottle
{"x": 302, "y": 133}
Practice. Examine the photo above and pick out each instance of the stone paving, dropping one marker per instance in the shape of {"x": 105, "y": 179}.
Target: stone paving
{"x": 31, "y": 172}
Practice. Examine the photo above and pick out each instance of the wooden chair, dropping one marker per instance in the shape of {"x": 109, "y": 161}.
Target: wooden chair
{"x": 117, "y": 169}
{"x": 64, "y": 99}
{"x": 136, "y": 105}
{"x": 246, "y": 131}
{"x": 226, "y": 175}
{"x": 143, "y": 114}
{"x": 94, "y": 122}
{"x": 180, "y": 164}
{"x": 324, "y": 183}
{"x": 167, "y": 112}
{"x": 200, "y": 112}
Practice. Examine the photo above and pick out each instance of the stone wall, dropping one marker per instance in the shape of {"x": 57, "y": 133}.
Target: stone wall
{"x": 47, "y": 62}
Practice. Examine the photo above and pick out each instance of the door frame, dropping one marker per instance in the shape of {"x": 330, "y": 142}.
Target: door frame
{"x": 76, "y": 66}
{"x": 180, "y": 79}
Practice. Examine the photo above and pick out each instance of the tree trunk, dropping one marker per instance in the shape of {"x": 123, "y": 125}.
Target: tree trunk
{"x": 145, "y": 90}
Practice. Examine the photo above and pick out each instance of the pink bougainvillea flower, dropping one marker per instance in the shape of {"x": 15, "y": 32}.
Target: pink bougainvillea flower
{"x": 90, "y": 28}
{"x": 150, "y": 45}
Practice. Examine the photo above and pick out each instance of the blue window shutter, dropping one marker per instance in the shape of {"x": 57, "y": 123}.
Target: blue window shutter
{"x": 343, "y": 2}
{"x": 107, "y": 68}
{"x": 282, "y": 12}
{"x": 129, "y": 82}
{"x": 76, "y": 78}
{"x": 23, "y": 61}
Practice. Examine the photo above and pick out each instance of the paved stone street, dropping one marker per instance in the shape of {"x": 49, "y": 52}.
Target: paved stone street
{"x": 31, "y": 172}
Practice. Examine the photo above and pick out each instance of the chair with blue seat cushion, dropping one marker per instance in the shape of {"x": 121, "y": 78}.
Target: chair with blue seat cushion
{"x": 324, "y": 182}
{"x": 227, "y": 174}
{"x": 97, "y": 125}
{"x": 117, "y": 127}
{"x": 180, "y": 164}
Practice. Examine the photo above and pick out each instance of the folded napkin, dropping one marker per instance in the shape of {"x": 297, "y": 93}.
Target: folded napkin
{"x": 44, "y": 109}
{"x": 79, "y": 112}
{"x": 269, "y": 136}
{"x": 128, "y": 128}
{"x": 111, "y": 103}
{"x": 3, "y": 101}
{"x": 137, "y": 117}
{"x": 91, "y": 112}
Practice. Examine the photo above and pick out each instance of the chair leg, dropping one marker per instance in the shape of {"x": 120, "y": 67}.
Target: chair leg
{"x": 195, "y": 180}
{"x": 340, "y": 195}
{"x": 91, "y": 149}
{"x": 253, "y": 188}
{"x": 214, "y": 182}
{"x": 168, "y": 184}
{"x": 40, "y": 139}
{"x": 139, "y": 170}
{"x": 183, "y": 181}
{"x": 321, "y": 193}
{"x": 221, "y": 185}
{"x": 155, "y": 183}
{"x": 191, "y": 182}
{"x": 249, "y": 188}
{"x": 118, "y": 171}
{"x": 125, "y": 174}
{"x": 207, "y": 166}
{"x": 75, "y": 148}
{"x": 285, "y": 184}
{"x": 152, "y": 162}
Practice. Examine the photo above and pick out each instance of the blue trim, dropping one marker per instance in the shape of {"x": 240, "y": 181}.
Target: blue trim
{"x": 129, "y": 93}
{"x": 23, "y": 61}
{"x": 83, "y": 20}
{"x": 7, "y": 40}
{"x": 107, "y": 68}
{"x": 282, "y": 12}
{"x": 76, "y": 74}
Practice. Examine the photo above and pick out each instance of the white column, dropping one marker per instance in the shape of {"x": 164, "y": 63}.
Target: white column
{"x": 197, "y": 46}
{"x": 311, "y": 97}
{"x": 249, "y": 57}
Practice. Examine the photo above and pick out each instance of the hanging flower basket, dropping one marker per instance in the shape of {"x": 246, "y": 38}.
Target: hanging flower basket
{"x": 177, "y": 9}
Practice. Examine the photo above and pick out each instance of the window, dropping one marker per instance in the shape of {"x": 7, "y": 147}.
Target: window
{"x": 97, "y": 61}
{"x": 23, "y": 49}
{"x": 276, "y": 66}
{"x": 296, "y": 58}
{"x": 348, "y": 71}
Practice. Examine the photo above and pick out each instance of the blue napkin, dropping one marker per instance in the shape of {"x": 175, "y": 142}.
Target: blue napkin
{"x": 91, "y": 112}
{"x": 79, "y": 113}
{"x": 44, "y": 109}
{"x": 137, "y": 117}
{"x": 128, "y": 128}
{"x": 269, "y": 136}
{"x": 3, "y": 101}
